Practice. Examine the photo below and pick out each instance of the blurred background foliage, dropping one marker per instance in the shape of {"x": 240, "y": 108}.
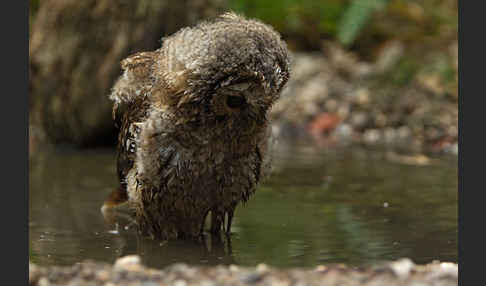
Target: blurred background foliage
{"x": 426, "y": 29}
{"x": 360, "y": 25}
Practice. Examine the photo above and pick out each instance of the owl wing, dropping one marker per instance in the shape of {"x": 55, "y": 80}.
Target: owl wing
{"x": 264, "y": 149}
{"x": 130, "y": 108}
{"x": 135, "y": 82}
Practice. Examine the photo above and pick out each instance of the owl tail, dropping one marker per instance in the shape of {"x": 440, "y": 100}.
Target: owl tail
{"x": 116, "y": 198}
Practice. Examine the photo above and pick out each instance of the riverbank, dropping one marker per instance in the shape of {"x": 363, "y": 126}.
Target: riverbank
{"x": 129, "y": 271}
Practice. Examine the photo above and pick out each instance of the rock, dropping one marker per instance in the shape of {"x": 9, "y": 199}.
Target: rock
{"x": 371, "y": 136}
{"x": 344, "y": 132}
{"x": 389, "y": 55}
{"x": 262, "y": 268}
{"x": 324, "y": 123}
{"x": 180, "y": 283}
{"x": 403, "y": 133}
{"x": 75, "y": 48}
{"x": 402, "y": 267}
{"x": 362, "y": 96}
{"x": 359, "y": 120}
{"x": 389, "y": 135}
{"x": 128, "y": 263}
{"x": 252, "y": 278}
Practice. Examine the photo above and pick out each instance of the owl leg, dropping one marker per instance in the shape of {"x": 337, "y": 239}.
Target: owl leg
{"x": 201, "y": 230}
{"x": 231, "y": 212}
{"x": 229, "y": 221}
{"x": 216, "y": 221}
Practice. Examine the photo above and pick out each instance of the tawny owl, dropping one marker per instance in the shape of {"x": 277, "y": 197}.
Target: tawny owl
{"x": 194, "y": 131}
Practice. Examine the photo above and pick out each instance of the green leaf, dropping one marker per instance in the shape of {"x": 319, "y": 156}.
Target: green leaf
{"x": 355, "y": 17}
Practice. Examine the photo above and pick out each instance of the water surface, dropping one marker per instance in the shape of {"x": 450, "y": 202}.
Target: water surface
{"x": 319, "y": 206}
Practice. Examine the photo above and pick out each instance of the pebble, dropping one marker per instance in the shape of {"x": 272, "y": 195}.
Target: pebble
{"x": 252, "y": 278}
{"x": 129, "y": 262}
{"x": 362, "y": 96}
{"x": 359, "y": 120}
{"x": 405, "y": 273}
{"x": 180, "y": 283}
{"x": 43, "y": 282}
{"x": 344, "y": 131}
{"x": 402, "y": 267}
{"x": 389, "y": 135}
{"x": 262, "y": 268}
{"x": 403, "y": 132}
{"x": 103, "y": 275}
{"x": 371, "y": 136}
{"x": 233, "y": 268}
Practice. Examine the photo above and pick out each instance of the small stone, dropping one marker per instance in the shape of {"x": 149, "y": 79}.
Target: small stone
{"x": 343, "y": 111}
{"x": 233, "y": 268}
{"x": 389, "y": 55}
{"x": 449, "y": 268}
{"x": 454, "y": 149}
{"x": 207, "y": 283}
{"x": 362, "y": 96}
{"x": 127, "y": 262}
{"x": 149, "y": 283}
{"x": 344, "y": 131}
{"x": 402, "y": 267}
{"x": 43, "y": 282}
{"x": 381, "y": 120}
{"x": 359, "y": 120}
{"x": 403, "y": 132}
{"x": 252, "y": 278}
{"x": 443, "y": 271}
{"x": 103, "y": 275}
{"x": 331, "y": 105}
{"x": 371, "y": 136}
{"x": 419, "y": 284}
{"x": 180, "y": 283}
{"x": 389, "y": 135}
{"x": 324, "y": 122}
{"x": 262, "y": 268}
{"x": 321, "y": 268}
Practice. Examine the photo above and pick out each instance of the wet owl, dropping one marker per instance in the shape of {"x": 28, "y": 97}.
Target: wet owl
{"x": 194, "y": 134}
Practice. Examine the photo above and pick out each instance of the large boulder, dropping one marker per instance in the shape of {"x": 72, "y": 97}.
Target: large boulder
{"x": 74, "y": 52}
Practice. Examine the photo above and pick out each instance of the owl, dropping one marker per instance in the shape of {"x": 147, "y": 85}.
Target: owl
{"x": 194, "y": 134}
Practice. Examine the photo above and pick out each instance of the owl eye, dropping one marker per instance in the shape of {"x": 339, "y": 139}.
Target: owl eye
{"x": 235, "y": 101}
{"x": 240, "y": 86}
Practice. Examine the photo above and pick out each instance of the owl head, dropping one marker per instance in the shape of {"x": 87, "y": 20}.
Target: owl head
{"x": 229, "y": 68}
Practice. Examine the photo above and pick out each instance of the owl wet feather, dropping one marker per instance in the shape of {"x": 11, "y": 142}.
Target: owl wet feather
{"x": 194, "y": 134}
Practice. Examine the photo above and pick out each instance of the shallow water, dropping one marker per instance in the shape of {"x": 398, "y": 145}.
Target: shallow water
{"x": 329, "y": 206}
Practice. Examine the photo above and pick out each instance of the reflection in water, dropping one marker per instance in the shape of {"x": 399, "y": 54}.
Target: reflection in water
{"x": 208, "y": 250}
{"x": 345, "y": 206}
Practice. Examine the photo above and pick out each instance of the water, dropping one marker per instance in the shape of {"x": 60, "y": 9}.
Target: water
{"x": 329, "y": 206}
